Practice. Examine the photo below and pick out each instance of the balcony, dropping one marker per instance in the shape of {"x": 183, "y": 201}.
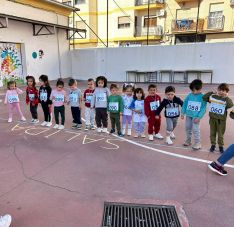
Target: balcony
{"x": 153, "y": 31}
{"x": 232, "y": 2}
{"x": 189, "y": 25}
{"x": 215, "y": 23}
{"x": 181, "y": 1}
{"x": 154, "y": 4}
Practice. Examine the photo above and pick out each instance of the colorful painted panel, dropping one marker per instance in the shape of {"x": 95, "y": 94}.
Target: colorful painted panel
{"x": 11, "y": 63}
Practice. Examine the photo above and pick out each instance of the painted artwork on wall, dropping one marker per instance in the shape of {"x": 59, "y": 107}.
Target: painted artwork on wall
{"x": 10, "y": 63}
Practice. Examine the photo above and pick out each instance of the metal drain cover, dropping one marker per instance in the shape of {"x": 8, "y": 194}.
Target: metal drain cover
{"x": 139, "y": 215}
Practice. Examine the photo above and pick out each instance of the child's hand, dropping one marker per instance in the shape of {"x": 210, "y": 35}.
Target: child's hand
{"x": 157, "y": 117}
{"x": 196, "y": 120}
{"x": 182, "y": 117}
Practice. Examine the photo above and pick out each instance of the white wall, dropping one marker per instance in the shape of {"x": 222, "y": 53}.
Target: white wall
{"x": 114, "y": 62}
{"x": 19, "y": 32}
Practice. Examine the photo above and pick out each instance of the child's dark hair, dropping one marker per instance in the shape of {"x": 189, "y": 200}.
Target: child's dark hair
{"x": 9, "y": 83}
{"x": 169, "y": 89}
{"x": 101, "y": 78}
{"x": 127, "y": 86}
{"x": 139, "y": 90}
{"x": 114, "y": 86}
{"x": 71, "y": 82}
{"x": 45, "y": 79}
{"x": 59, "y": 83}
{"x": 223, "y": 87}
{"x": 196, "y": 85}
{"x": 90, "y": 80}
{"x": 31, "y": 78}
{"x": 152, "y": 86}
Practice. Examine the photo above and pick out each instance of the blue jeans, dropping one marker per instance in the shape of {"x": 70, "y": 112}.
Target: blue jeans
{"x": 227, "y": 155}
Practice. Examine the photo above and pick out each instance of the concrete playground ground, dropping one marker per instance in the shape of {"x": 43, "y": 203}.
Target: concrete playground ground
{"x": 61, "y": 178}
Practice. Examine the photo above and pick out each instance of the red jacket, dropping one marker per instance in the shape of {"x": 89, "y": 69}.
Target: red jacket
{"x": 150, "y": 109}
{"x": 32, "y": 96}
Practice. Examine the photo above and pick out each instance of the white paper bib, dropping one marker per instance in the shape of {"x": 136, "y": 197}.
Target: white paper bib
{"x": 217, "y": 108}
{"x": 13, "y": 98}
{"x": 194, "y": 106}
{"x": 114, "y": 106}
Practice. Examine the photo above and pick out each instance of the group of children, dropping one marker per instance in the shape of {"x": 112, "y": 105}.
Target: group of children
{"x": 131, "y": 106}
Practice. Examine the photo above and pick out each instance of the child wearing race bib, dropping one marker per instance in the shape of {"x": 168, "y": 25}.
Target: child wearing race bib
{"x": 152, "y": 102}
{"x": 115, "y": 108}
{"x": 219, "y": 103}
{"x": 59, "y": 98}
{"x": 99, "y": 102}
{"x": 75, "y": 98}
{"x": 32, "y": 98}
{"x": 172, "y": 112}
{"x": 194, "y": 108}
{"x": 44, "y": 99}
{"x": 139, "y": 118}
{"x": 89, "y": 112}
{"x": 127, "y": 113}
{"x": 12, "y": 100}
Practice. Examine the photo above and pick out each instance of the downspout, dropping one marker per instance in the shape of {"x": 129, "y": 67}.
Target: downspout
{"x": 58, "y": 48}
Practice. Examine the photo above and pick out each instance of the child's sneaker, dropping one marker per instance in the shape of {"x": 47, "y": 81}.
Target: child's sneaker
{"x": 49, "y": 124}
{"x": 74, "y": 126}
{"x": 168, "y": 140}
{"x": 5, "y": 221}
{"x": 196, "y": 146}
{"x": 172, "y": 135}
{"x": 79, "y": 126}
{"x": 44, "y": 123}
{"x": 112, "y": 130}
{"x": 221, "y": 149}
{"x": 99, "y": 130}
{"x": 212, "y": 148}
{"x": 87, "y": 127}
{"x": 217, "y": 169}
{"x": 36, "y": 121}
{"x": 32, "y": 121}
{"x": 123, "y": 131}
{"x": 9, "y": 120}
{"x": 120, "y": 134}
{"x": 129, "y": 132}
{"x": 23, "y": 119}
{"x": 143, "y": 135}
{"x": 136, "y": 135}
{"x": 158, "y": 136}
{"x": 151, "y": 137}
{"x": 61, "y": 127}
{"x": 56, "y": 126}
{"x": 105, "y": 130}
{"x": 187, "y": 143}
{"x": 92, "y": 127}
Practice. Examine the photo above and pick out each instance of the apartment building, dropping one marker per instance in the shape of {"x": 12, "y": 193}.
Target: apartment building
{"x": 34, "y": 39}
{"x": 170, "y": 22}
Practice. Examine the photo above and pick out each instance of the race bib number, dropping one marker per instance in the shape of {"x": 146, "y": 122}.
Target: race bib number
{"x": 13, "y": 98}
{"x": 139, "y": 107}
{"x": 43, "y": 96}
{"x": 217, "y": 108}
{"x": 113, "y": 106}
{"x": 154, "y": 105}
{"x": 31, "y": 97}
{"x": 194, "y": 106}
{"x": 73, "y": 97}
{"x": 59, "y": 98}
{"x": 89, "y": 98}
{"x": 101, "y": 97}
{"x": 172, "y": 112}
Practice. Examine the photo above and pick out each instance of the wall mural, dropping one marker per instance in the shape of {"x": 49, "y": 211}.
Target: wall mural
{"x": 10, "y": 63}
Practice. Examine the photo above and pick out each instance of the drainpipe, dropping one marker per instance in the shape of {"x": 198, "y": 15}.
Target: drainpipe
{"x": 58, "y": 47}
{"x": 148, "y": 23}
{"x": 198, "y": 11}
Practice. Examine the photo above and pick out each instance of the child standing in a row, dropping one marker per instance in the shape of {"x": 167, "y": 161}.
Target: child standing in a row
{"x": 99, "y": 102}
{"x": 194, "y": 108}
{"x": 172, "y": 105}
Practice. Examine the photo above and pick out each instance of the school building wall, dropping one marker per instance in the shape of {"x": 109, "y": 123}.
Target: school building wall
{"x": 114, "y": 62}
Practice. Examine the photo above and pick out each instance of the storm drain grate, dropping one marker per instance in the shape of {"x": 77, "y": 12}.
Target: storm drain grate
{"x": 138, "y": 215}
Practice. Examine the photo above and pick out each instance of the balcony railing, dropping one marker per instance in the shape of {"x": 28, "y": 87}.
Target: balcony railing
{"x": 215, "y": 23}
{"x": 187, "y": 25}
{"x": 145, "y": 2}
{"x": 153, "y": 31}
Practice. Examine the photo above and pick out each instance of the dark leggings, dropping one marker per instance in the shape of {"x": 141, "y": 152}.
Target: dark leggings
{"x": 76, "y": 115}
{"x": 101, "y": 117}
{"x": 33, "y": 110}
{"x": 46, "y": 111}
{"x": 59, "y": 110}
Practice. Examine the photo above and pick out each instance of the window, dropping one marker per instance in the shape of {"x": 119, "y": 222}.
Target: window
{"x": 151, "y": 21}
{"x": 80, "y": 25}
{"x": 190, "y": 38}
{"x": 77, "y": 2}
{"x": 124, "y": 22}
{"x": 216, "y": 10}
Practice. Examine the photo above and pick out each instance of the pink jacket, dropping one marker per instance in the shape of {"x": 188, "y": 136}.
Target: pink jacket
{"x": 58, "y": 97}
{"x": 12, "y": 96}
